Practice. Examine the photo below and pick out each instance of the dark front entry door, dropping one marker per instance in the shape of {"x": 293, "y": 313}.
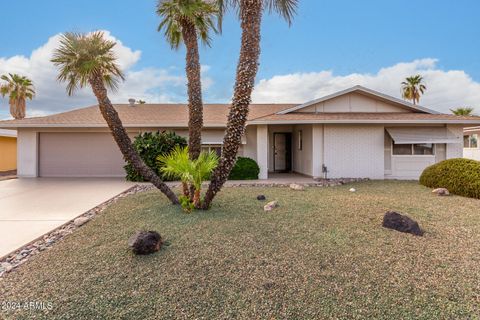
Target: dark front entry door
{"x": 282, "y": 145}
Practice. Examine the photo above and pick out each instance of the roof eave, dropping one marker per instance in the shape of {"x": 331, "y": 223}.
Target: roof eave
{"x": 464, "y": 122}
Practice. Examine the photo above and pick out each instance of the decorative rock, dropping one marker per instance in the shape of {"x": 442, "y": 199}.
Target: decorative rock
{"x": 80, "y": 221}
{"x": 396, "y": 221}
{"x": 261, "y": 197}
{"x": 297, "y": 187}
{"x": 145, "y": 242}
{"x": 441, "y": 191}
{"x": 7, "y": 267}
{"x": 352, "y": 190}
{"x": 270, "y": 206}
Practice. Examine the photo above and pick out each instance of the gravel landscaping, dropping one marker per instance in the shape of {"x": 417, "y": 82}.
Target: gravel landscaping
{"x": 322, "y": 253}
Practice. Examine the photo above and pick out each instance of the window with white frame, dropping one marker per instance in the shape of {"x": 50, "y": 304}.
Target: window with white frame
{"x": 217, "y": 148}
{"x": 470, "y": 141}
{"x": 419, "y": 149}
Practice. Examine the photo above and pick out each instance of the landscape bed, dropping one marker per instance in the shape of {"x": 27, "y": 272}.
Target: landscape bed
{"x": 321, "y": 254}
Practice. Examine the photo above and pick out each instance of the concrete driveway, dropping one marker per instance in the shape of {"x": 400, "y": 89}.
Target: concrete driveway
{"x": 30, "y": 208}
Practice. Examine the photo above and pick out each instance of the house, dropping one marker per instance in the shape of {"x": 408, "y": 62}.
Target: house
{"x": 471, "y": 146}
{"x": 356, "y": 132}
{"x": 8, "y": 150}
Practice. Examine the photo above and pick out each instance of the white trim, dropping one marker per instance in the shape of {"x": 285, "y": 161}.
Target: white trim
{"x": 362, "y": 121}
{"x": 406, "y": 104}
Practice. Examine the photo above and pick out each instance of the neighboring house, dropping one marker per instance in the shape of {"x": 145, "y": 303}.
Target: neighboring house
{"x": 8, "y": 150}
{"x": 357, "y": 132}
{"x": 471, "y": 145}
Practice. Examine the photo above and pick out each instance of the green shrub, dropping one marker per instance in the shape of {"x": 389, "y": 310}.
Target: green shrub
{"x": 459, "y": 176}
{"x": 149, "y": 146}
{"x": 244, "y": 169}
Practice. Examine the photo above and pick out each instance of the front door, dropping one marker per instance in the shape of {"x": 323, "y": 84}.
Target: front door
{"x": 282, "y": 146}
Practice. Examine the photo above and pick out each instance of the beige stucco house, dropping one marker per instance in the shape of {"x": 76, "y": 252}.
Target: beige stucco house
{"x": 471, "y": 145}
{"x": 357, "y": 132}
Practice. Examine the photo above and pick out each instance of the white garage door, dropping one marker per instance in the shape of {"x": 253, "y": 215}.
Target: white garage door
{"x": 79, "y": 155}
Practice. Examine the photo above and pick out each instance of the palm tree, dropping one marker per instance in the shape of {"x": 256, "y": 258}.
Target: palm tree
{"x": 413, "y": 87}
{"x": 88, "y": 59}
{"x": 19, "y": 89}
{"x": 187, "y": 21}
{"x": 177, "y": 164}
{"x": 250, "y": 12}
{"x": 463, "y": 111}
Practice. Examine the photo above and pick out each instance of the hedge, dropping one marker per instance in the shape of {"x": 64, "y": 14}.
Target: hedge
{"x": 244, "y": 169}
{"x": 459, "y": 176}
{"x": 149, "y": 146}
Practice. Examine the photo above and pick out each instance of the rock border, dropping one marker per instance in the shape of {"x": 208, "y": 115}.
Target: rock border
{"x": 18, "y": 257}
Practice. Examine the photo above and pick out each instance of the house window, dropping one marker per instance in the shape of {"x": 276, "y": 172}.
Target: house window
{"x": 421, "y": 149}
{"x": 470, "y": 141}
{"x": 300, "y": 140}
{"x": 217, "y": 148}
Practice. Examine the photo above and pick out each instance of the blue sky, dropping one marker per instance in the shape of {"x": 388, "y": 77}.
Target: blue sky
{"x": 345, "y": 38}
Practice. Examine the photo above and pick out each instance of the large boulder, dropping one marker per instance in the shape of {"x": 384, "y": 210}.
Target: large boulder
{"x": 396, "y": 221}
{"x": 145, "y": 242}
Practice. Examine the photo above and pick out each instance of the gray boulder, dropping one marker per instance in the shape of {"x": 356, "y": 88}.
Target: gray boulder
{"x": 396, "y": 221}
{"x": 145, "y": 242}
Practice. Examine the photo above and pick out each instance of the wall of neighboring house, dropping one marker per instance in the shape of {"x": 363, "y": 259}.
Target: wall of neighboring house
{"x": 8, "y": 153}
{"x": 471, "y": 148}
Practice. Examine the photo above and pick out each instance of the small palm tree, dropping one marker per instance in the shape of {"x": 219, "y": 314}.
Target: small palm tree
{"x": 178, "y": 165}
{"x": 463, "y": 111}
{"x": 187, "y": 21}
{"x": 250, "y": 12}
{"x": 413, "y": 87}
{"x": 88, "y": 60}
{"x": 19, "y": 89}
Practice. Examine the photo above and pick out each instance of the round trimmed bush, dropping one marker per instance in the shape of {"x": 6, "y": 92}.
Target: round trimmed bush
{"x": 244, "y": 169}
{"x": 149, "y": 146}
{"x": 459, "y": 176}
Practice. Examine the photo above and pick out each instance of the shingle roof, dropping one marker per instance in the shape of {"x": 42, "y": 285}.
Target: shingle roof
{"x": 143, "y": 115}
{"x": 352, "y": 117}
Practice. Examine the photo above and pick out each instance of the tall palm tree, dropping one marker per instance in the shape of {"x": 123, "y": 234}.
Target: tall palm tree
{"x": 463, "y": 111}
{"x": 19, "y": 89}
{"x": 187, "y": 21}
{"x": 413, "y": 87}
{"x": 88, "y": 59}
{"x": 250, "y": 12}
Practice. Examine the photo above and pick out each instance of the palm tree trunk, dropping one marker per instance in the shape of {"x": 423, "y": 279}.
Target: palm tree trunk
{"x": 123, "y": 140}
{"x": 196, "y": 198}
{"x": 251, "y": 16}
{"x": 194, "y": 89}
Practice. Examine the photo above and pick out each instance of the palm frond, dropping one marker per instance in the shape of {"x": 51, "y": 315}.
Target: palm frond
{"x": 80, "y": 57}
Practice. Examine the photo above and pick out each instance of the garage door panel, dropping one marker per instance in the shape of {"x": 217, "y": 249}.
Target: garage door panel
{"x": 79, "y": 155}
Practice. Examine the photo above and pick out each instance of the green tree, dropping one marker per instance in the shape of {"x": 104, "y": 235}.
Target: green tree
{"x": 19, "y": 89}
{"x": 186, "y": 21}
{"x": 88, "y": 60}
{"x": 250, "y": 14}
{"x": 177, "y": 164}
{"x": 463, "y": 111}
{"x": 413, "y": 87}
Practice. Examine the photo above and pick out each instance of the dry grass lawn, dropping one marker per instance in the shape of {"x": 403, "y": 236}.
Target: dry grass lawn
{"x": 322, "y": 254}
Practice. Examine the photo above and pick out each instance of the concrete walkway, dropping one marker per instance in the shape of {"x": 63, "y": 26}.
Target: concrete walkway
{"x": 30, "y": 208}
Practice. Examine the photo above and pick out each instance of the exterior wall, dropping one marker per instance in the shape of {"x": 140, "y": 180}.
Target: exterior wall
{"x": 8, "y": 153}
{"x": 262, "y": 150}
{"x": 455, "y": 150}
{"x": 318, "y": 147}
{"x": 353, "y": 102}
{"x": 27, "y": 153}
{"x": 302, "y": 159}
{"x": 355, "y": 151}
{"x": 249, "y": 150}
